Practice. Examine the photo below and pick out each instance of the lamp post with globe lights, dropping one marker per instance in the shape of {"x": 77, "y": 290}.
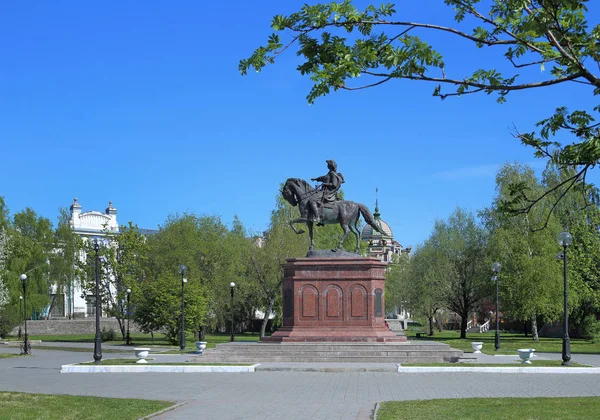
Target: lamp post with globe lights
{"x": 98, "y": 243}
{"x": 232, "y": 287}
{"x": 182, "y": 271}
{"x": 565, "y": 239}
{"x": 26, "y": 345}
{"x": 496, "y": 267}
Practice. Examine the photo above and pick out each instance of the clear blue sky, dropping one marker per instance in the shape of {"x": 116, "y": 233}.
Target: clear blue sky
{"x": 142, "y": 104}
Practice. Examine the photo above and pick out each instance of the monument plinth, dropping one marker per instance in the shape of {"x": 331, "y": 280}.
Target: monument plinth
{"x": 334, "y": 299}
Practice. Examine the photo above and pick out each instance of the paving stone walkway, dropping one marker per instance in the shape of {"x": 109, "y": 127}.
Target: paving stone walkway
{"x": 280, "y": 394}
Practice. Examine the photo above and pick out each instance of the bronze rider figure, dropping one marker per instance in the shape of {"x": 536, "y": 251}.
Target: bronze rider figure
{"x": 331, "y": 183}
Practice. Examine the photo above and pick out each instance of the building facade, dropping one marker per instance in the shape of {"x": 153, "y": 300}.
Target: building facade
{"x": 382, "y": 246}
{"x": 76, "y": 302}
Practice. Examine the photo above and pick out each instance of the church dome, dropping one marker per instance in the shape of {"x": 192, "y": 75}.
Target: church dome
{"x": 368, "y": 233}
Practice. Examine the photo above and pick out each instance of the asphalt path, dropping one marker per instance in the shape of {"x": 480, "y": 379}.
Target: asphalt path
{"x": 281, "y": 394}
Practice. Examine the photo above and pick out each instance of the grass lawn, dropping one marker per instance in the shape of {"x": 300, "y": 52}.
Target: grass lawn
{"x": 7, "y": 355}
{"x": 16, "y": 405}
{"x": 121, "y": 362}
{"x": 509, "y": 342}
{"x": 534, "y": 363}
{"x": 492, "y": 408}
{"x": 76, "y": 349}
{"x": 145, "y": 340}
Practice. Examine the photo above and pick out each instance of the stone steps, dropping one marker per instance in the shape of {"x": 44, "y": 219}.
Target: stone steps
{"x": 424, "y": 352}
{"x": 330, "y": 346}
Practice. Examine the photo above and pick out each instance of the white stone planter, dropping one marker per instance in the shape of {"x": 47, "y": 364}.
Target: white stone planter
{"x": 141, "y": 353}
{"x": 525, "y": 355}
{"x": 477, "y": 346}
{"x": 200, "y": 345}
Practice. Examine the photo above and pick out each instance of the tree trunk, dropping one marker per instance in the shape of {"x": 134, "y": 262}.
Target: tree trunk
{"x": 121, "y": 326}
{"x": 51, "y": 306}
{"x": 430, "y": 325}
{"x": 265, "y": 321}
{"x": 534, "y": 328}
{"x": 201, "y": 333}
{"x": 463, "y": 326}
{"x": 525, "y": 328}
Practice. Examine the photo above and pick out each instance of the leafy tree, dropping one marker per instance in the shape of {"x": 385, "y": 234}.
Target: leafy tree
{"x": 158, "y": 306}
{"x": 396, "y": 281}
{"x": 530, "y": 282}
{"x": 212, "y": 255}
{"x": 32, "y": 247}
{"x": 527, "y": 35}
{"x": 268, "y": 254}
{"x": 423, "y": 282}
{"x": 64, "y": 261}
{"x": 578, "y": 214}
{"x": 4, "y": 253}
{"x": 123, "y": 266}
{"x": 464, "y": 243}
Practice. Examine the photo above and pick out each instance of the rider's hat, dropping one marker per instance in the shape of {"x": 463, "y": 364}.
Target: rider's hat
{"x": 332, "y": 164}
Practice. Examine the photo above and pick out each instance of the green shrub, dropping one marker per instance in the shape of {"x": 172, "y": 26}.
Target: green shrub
{"x": 6, "y": 326}
{"x": 108, "y": 335}
{"x": 590, "y": 328}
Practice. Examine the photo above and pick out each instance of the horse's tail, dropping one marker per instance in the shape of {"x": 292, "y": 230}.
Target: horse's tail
{"x": 366, "y": 214}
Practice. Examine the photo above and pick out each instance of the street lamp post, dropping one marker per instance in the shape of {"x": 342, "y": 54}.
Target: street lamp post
{"x": 496, "y": 267}
{"x": 120, "y": 253}
{"x": 128, "y": 342}
{"x": 20, "y": 314}
{"x": 182, "y": 271}
{"x": 565, "y": 239}
{"x": 98, "y": 339}
{"x": 26, "y": 345}
{"x": 232, "y": 287}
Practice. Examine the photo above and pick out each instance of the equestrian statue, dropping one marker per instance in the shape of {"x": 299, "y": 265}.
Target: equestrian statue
{"x": 322, "y": 206}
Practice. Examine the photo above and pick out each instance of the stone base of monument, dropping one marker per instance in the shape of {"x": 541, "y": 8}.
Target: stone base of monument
{"x": 334, "y": 334}
{"x": 334, "y": 300}
{"x": 330, "y": 352}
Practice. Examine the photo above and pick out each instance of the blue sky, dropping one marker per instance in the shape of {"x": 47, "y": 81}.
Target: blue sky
{"x": 142, "y": 104}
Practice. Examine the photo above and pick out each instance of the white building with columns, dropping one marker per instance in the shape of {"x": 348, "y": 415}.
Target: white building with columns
{"x": 77, "y": 302}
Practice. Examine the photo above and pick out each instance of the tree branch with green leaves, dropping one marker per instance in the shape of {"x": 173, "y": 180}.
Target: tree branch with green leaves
{"x": 344, "y": 48}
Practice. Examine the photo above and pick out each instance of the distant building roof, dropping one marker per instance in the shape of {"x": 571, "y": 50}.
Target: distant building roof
{"x": 368, "y": 232}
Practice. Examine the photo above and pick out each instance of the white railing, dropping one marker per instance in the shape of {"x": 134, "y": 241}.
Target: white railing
{"x": 469, "y": 324}
{"x": 485, "y": 326}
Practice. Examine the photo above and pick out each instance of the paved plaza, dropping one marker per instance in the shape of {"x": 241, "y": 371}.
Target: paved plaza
{"x": 281, "y": 394}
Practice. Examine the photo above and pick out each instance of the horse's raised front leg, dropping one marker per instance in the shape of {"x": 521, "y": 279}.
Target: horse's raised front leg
{"x": 299, "y": 220}
{"x": 310, "y": 233}
{"x": 341, "y": 241}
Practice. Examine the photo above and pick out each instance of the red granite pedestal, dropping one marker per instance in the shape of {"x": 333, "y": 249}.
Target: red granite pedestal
{"x": 334, "y": 299}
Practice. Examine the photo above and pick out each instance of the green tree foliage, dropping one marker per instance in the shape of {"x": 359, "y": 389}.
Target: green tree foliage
{"x": 578, "y": 215}
{"x": 4, "y": 254}
{"x": 421, "y": 283}
{"x": 464, "y": 243}
{"x": 158, "y": 305}
{"x": 213, "y": 256}
{"x": 32, "y": 248}
{"x": 64, "y": 262}
{"x": 530, "y": 281}
{"x": 269, "y": 252}
{"x": 396, "y": 281}
{"x": 124, "y": 268}
{"x": 338, "y": 43}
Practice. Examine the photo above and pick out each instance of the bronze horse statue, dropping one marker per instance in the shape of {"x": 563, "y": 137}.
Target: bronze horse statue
{"x": 297, "y": 192}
